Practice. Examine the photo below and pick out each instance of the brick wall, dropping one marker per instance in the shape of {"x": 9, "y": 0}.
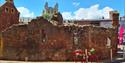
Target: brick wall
{"x": 40, "y": 40}
{"x": 9, "y": 15}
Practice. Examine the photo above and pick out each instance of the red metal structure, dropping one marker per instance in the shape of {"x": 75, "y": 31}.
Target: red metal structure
{"x": 80, "y": 55}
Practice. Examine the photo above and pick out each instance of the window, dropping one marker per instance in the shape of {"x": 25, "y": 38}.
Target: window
{"x": 75, "y": 38}
{"x": 12, "y": 10}
{"x": 7, "y": 10}
{"x": 108, "y": 44}
{"x": 42, "y": 35}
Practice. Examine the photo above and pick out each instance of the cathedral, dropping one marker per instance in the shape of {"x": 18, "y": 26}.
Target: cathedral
{"x": 48, "y": 12}
{"x": 52, "y": 14}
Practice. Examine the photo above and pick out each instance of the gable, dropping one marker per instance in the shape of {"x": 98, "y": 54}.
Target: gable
{"x": 10, "y": 7}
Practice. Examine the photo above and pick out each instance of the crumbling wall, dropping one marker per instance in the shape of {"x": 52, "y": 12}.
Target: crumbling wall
{"x": 40, "y": 40}
{"x": 93, "y": 37}
{"x": 14, "y": 40}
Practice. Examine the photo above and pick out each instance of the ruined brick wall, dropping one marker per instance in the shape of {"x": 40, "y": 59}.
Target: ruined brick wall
{"x": 40, "y": 40}
{"x": 54, "y": 44}
{"x": 14, "y": 40}
{"x": 93, "y": 37}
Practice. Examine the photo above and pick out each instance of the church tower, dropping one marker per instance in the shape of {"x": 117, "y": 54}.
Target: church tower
{"x": 56, "y": 8}
{"x": 114, "y": 16}
{"x": 46, "y": 6}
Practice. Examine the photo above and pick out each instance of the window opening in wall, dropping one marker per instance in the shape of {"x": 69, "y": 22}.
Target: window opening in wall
{"x": 7, "y": 10}
{"x": 108, "y": 44}
{"x": 43, "y": 35}
{"x": 75, "y": 38}
{"x": 12, "y": 10}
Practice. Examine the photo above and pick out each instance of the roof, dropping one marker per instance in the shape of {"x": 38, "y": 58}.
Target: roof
{"x": 9, "y": 4}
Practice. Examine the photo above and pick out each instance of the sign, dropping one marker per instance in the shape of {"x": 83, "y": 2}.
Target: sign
{"x": 121, "y": 35}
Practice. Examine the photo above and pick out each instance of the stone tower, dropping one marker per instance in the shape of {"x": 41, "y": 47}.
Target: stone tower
{"x": 46, "y": 6}
{"x": 52, "y": 14}
{"x": 48, "y": 12}
{"x": 114, "y": 16}
{"x": 56, "y": 8}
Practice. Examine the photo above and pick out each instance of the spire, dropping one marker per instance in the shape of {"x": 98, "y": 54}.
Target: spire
{"x": 10, "y": 1}
{"x": 56, "y": 7}
{"x": 46, "y": 5}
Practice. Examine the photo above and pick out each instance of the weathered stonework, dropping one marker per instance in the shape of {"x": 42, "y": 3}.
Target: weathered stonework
{"x": 40, "y": 40}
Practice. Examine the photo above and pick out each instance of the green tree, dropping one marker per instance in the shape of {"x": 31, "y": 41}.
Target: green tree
{"x": 46, "y": 16}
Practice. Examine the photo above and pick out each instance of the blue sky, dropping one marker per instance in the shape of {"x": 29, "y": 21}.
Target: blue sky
{"x": 69, "y": 8}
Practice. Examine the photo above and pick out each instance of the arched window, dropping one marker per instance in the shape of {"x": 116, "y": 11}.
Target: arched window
{"x": 7, "y": 10}
{"x": 12, "y": 10}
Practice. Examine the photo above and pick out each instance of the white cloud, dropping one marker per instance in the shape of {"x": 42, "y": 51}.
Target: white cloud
{"x": 67, "y": 15}
{"x": 76, "y": 4}
{"x": 24, "y": 12}
{"x": 92, "y": 12}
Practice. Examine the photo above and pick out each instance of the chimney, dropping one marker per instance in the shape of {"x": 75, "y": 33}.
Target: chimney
{"x": 114, "y": 16}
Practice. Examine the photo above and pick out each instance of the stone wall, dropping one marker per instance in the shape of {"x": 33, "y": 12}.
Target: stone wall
{"x": 40, "y": 40}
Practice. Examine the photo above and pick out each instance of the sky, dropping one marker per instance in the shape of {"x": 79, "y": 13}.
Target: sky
{"x": 71, "y": 9}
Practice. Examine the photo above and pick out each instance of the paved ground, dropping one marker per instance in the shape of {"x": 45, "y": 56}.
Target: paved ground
{"x": 2, "y": 61}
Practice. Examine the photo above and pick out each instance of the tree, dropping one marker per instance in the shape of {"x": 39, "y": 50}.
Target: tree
{"x": 46, "y": 16}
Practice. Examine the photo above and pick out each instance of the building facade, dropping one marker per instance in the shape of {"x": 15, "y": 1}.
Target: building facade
{"x": 9, "y": 15}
